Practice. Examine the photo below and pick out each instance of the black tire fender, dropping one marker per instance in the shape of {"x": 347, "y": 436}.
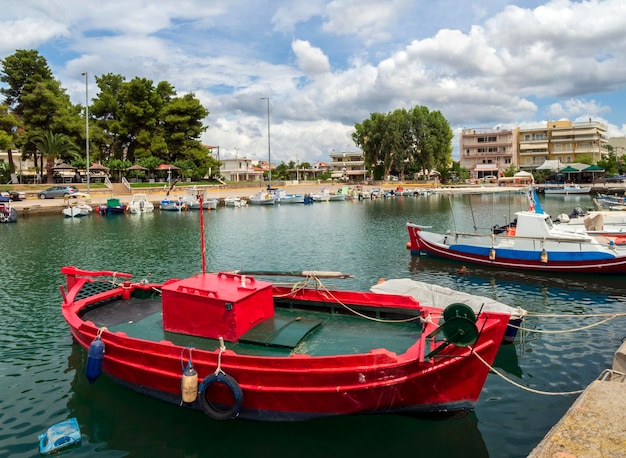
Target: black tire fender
{"x": 219, "y": 413}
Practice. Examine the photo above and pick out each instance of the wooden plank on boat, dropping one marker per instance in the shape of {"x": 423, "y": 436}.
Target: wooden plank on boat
{"x": 280, "y": 332}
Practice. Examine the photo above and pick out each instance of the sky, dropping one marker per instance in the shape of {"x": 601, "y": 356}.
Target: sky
{"x": 325, "y": 65}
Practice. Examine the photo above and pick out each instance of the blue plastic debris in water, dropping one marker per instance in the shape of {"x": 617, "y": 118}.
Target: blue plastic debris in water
{"x": 59, "y": 437}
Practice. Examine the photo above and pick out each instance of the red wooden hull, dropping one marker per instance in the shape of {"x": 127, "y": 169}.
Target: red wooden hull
{"x": 419, "y": 245}
{"x": 299, "y": 386}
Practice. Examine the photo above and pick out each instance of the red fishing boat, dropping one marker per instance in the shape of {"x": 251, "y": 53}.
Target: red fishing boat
{"x": 236, "y": 346}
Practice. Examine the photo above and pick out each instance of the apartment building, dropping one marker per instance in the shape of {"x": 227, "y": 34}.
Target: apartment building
{"x": 487, "y": 152}
{"x": 563, "y": 141}
{"x": 349, "y": 166}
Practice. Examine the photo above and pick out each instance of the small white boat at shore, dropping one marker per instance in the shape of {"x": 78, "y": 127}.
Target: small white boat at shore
{"x": 262, "y": 198}
{"x": 139, "y": 203}
{"x": 210, "y": 204}
{"x": 77, "y": 210}
{"x": 282, "y": 197}
{"x": 234, "y": 201}
{"x": 326, "y": 196}
{"x": 567, "y": 188}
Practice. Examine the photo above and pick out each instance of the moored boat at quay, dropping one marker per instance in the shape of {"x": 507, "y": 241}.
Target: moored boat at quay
{"x": 283, "y": 197}
{"x": 262, "y": 198}
{"x": 112, "y": 207}
{"x": 535, "y": 243}
{"x": 8, "y": 214}
{"x": 273, "y": 353}
{"x": 140, "y": 203}
{"x": 566, "y": 188}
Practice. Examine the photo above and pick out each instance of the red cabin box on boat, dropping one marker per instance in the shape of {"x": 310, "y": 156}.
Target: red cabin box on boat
{"x": 216, "y": 305}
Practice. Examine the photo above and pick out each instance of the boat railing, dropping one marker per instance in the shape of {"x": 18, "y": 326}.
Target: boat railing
{"x": 591, "y": 239}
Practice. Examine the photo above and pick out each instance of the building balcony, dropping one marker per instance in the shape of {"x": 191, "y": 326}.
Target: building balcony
{"x": 347, "y": 164}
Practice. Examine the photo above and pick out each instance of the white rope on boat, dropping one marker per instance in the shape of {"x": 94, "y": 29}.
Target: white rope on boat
{"x": 532, "y": 390}
{"x": 610, "y": 317}
{"x": 330, "y": 295}
{"x": 219, "y": 357}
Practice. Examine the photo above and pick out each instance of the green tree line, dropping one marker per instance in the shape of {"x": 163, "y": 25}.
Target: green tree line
{"x": 130, "y": 122}
{"x": 405, "y": 142}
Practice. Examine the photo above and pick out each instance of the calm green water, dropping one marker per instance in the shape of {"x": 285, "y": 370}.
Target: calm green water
{"x": 42, "y": 372}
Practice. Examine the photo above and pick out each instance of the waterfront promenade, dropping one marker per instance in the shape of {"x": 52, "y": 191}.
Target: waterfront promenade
{"x": 156, "y": 194}
{"x": 99, "y": 196}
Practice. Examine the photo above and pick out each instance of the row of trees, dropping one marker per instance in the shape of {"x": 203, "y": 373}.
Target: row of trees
{"x": 404, "y": 142}
{"x": 130, "y": 122}
{"x": 137, "y": 122}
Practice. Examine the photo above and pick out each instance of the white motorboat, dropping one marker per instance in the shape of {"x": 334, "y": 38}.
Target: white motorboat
{"x": 282, "y": 197}
{"x": 262, "y": 198}
{"x": 567, "y": 188}
{"x": 77, "y": 210}
{"x": 140, "y": 204}
{"x": 234, "y": 201}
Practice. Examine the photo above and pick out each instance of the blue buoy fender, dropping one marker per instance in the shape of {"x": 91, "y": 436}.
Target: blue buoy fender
{"x": 95, "y": 356}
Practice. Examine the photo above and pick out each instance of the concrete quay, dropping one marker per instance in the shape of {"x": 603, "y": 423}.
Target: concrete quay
{"x": 594, "y": 425}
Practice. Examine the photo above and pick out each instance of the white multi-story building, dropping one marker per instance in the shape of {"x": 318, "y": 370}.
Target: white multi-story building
{"x": 240, "y": 169}
{"x": 348, "y": 166}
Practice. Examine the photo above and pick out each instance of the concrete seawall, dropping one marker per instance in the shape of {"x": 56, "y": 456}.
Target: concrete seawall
{"x": 594, "y": 425}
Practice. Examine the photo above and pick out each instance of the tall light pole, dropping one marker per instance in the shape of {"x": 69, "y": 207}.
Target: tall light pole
{"x": 269, "y": 151}
{"x": 86, "y": 75}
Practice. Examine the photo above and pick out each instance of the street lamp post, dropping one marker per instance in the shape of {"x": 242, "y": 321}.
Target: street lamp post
{"x": 269, "y": 153}
{"x": 86, "y": 75}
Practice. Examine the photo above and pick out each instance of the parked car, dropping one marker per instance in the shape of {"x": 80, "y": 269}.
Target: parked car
{"x": 14, "y": 195}
{"x": 59, "y": 191}
{"x": 17, "y": 195}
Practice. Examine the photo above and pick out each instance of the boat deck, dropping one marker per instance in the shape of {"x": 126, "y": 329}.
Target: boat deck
{"x": 291, "y": 331}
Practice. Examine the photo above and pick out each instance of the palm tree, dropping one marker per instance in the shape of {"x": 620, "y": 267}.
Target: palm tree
{"x": 52, "y": 146}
